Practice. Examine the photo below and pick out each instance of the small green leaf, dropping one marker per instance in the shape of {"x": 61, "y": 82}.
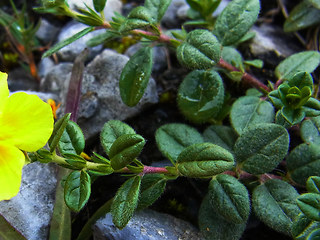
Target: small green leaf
{"x": 293, "y": 116}
{"x": 309, "y": 205}
{"x": 139, "y": 17}
{"x": 303, "y": 162}
{"x": 200, "y": 50}
{"x": 315, "y": 3}
{"x": 306, "y": 61}
{"x": 58, "y": 130}
{"x": 223, "y": 136}
{"x": 257, "y": 63}
{"x": 280, "y": 120}
{"x": 236, "y": 20}
{"x": 174, "y": 137}
{"x": 312, "y": 107}
{"x": 302, "y": 16}
{"x": 99, "y": 5}
{"x": 152, "y": 186}
{"x": 73, "y": 161}
{"x": 275, "y": 99}
{"x": 204, "y": 160}
{"x": 8, "y": 232}
{"x": 314, "y": 235}
{"x": 310, "y": 130}
{"x": 214, "y": 226}
{"x": 232, "y": 56}
{"x": 313, "y": 184}
{"x": 135, "y": 76}
{"x": 111, "y": 131}
{"x": 72, "y": 139}
{"x": 261, "y": 147}
{"x": 67, "y": 41}
{"x": 303, "y": 226}
{"x": 157, "y": 8}
{"x": 250, "y": 110}
{"x": 125, "y": 149}
{"x": 77, "y": 190}
{"x": 201, "y": 95}
{"x": 101, "y": 38}
{"x": 125, "y": 202}
{"x": 229, "y": 198}
{"x": 274, "y": 203}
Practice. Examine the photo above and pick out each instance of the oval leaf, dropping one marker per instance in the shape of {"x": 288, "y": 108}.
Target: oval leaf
{"x": 157, "y": 8}
{"x": 99, "y": 5}
{"x": 152, "y": 186}
{"x": 310, "y": 130}
{"x": 274, "y": 203}
{"x": 135, "y": 76}
{"x": 309, "y": 205}
{"x": 261, "y": 147}
{"x": 77, "y": 190}
{"x": 72, "y": 139}
{"x": 200, "y": 50}
{"x": 139, "y": 17}
{"x": 229, "y": 198}
{"x": 303, "y": 162}
{"x": 174, "y": 137}
{"x": 250, "y": 110}
{"x": 222, "y": 136}
{"x": 313, "y": 184}
{"x": 236, "y": 20}
{"x": 204, "y": 160}
{"x": 125, "y": 149}
{"x": 314, "y": 235}
{"x": 111, "y": 131}
{"x": 306, "y": 61}
{"x": 125, "y": 202}
{"x": 58, "y": 130}
{"x": 201, "y": 95}
{"x": 303, "y": 226}
{"x": 214, "y": 226}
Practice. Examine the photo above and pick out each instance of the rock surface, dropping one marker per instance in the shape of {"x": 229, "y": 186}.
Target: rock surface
{"x": 146, "y": 225}
{"x": 31, "y": 210}
{"x": 47, "y": 33}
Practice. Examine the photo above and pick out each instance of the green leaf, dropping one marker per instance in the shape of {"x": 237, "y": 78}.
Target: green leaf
{"x": 152, "y": 186}
{"x": 303, "y": 162}
{"x": 229, "y": 198}
{"x": 201, "y": 95}
{"x": 200, "y": 50}
{"x": 274, "y": 203}
{"x": 125, "y": 202}
{"x": 204, "y": 160}
{"x": 282, "y": 121}
{"x": 312, "y": 107}
{"x": 101, "y": 38}
{"x": 60, "y": 224}
{"x": 157, "y": 8}
{"x": 306, "y": 61}
{"x": 214, "y": 226}
{"x": 111, "y": 131}
{"x": 275, "y": 99}
{"x": 8, "y": 232}
{"x": 314, "y": 235}
{"x": 236, "y": 20}
{"x": 135, "y": 76}
{"x": 58, "y": 130}
{"x": 303, "y": 226}
{"x": 249, "y": 110}
{"x": 261, "y": 147}
{"x": 232, "y": 56}
{"x": 73, "y": 161}
{"x": 204, "y": 7}
{"x": 139, "y": 17}
{"x": 125, "y": 149}
{"x": 302, "y": 16}
{"x": 257, "y": 63}
{"x": 67, "y": 41}
{"x": 174, "y": 137}
{"x": 315, "y": 3}
{"x": 309, "y": 205}
{"x": 293, "y": 116}
{"x": 313, "y": 184}
{"x": 223, "y": 136}
{"x": 99, "y": 5}
{"x": 72, "y": 139}
{"x": 310, "y": 130}
{"x": 77, "y": 190}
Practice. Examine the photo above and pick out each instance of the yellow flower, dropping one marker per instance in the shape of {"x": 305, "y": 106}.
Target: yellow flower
{"x": 26, "y": 123}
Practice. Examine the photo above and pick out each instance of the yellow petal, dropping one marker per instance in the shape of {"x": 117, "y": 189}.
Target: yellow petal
{"x": 11, "y": 163}
{"x": 4, "y": 91}
{"x": 26, "y": 122}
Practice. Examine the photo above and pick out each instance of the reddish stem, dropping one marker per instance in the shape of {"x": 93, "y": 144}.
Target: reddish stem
{"x": 246, "y": 76}
{"x": 148, "y": 169}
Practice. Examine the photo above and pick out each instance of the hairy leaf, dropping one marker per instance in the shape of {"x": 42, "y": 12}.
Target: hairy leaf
{"x": 72, "y": 139}
{"x": 125, "y": 202}
{"x": 201, "y": 95}
{"x": 58, "y": 130}
{"x": 309, "y": 205}
{"x": 303, "y": 226}
{"x": 313, "y": 184}
{"x": 204, "y": 160}
{"x": 157, "y": 8}
{"x": 310, "y": 130}
{"x": 274, "y": 203}
{"x": 139, "y": 17}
